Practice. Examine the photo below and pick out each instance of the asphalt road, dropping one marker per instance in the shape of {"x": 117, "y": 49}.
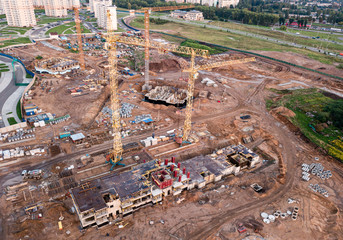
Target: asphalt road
{"x": 11, "y": 87}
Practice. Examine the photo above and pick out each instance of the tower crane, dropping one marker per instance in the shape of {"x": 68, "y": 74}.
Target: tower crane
{"x": 79, "y": 37}
{"x": 115, "y": 157}
{"x": 147, "y": 12}
{"x": 193, "y": 70}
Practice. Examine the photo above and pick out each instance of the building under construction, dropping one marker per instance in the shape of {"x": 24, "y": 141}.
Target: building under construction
{"x": 167, "y": 95}
{"x": 99, "y": 201}
{"x": 56, "y": 65}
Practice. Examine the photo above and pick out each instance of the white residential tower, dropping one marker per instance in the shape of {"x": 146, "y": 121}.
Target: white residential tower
{"x": 19, "y": 13}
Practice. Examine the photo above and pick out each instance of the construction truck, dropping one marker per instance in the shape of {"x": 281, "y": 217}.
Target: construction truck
{"x": 34, "y": 174}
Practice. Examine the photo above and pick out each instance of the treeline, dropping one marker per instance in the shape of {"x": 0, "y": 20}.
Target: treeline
{"x": 241, "y": 15}
{"x": 137, "y": 4}
{"x": 213, "y": 13}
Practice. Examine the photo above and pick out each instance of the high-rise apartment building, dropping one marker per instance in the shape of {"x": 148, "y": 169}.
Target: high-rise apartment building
{"x": 96, "y": 2}
{"x": 227, "y": 3}
{"x": 19, "y": 13}
{"x": 1, "y": 8}
{"x": 102, "y": 16}
{"x": 38, "y": 3}
{"x": 55, "y": 8}
{"x": 59, "y": 8}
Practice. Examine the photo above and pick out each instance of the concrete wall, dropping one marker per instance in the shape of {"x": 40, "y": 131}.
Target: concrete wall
{"x": 13, "y": 127}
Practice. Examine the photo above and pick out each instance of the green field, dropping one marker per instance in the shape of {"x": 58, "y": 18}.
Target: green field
{"x": 323, "y": 35}
{"x": 230, "y": 39}
{"x": 326, "y": 26}
{"x": 14, "y": 30}
{"x": 19, "y": 110}
{"x": 60, "y": 29}
{"x": 280, "y": 35}
{"x": 311, "y": 101}
{"x": 44, "y": 20}
{"x": 120, "y": 15}
{"x": 11, "y": 121}
{"x": 15, "y": 41}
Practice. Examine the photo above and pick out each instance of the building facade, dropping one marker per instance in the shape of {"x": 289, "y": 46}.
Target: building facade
{"x": 19, "y": 13}
{"x": 38, "y": 3}
{"x": 227, "y": 3}
{"x": 102, "y": 10}
{"x": 111, "y": 197}
{"x": 59, "y": 8}
{"x": 56, "y": 8}
{"x": 192, "y": 15}
{"x": 93, "y": 5}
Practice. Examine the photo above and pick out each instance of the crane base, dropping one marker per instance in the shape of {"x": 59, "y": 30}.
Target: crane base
{"x": 115, "y": 163}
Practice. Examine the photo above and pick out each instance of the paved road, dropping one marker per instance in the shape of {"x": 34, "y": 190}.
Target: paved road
{"x": 10, "y": 88}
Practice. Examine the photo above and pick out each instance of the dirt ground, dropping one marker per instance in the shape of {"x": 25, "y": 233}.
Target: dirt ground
{"x": 303, "y": 61}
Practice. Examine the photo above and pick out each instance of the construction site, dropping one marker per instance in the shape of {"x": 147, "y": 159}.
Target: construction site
{"x": 138, "y": 137}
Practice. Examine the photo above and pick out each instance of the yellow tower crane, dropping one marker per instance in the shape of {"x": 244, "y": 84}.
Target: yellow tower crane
{"x": 147, "y": 12}
{"x": 193, "y": 70}
{"x": 79, "y": 37}
{"x": 115, "y": 157}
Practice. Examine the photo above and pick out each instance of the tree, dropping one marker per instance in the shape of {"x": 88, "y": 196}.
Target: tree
{"x": 283, "y": 28}
{"x": 287, "y": 14}
{"x": 335, "y": 110}
{"x": 128, "y": 5}
{"x": 291, "y": 20}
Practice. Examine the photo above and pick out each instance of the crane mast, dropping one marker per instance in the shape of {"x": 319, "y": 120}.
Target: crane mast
{"x": 116, "y": 155}
{"x": 79, "y": 37}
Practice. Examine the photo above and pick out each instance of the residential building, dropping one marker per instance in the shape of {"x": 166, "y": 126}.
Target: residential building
{"x": 1, "y": 8}
{"x": 191, "y": 15}
{"x": 102, "y": 15}
{"x": 56, "y": 8}
{"x": 59, "y": 8}
{"x": 211, "y": 3}
{"x": 177, "y": 1}
{"x": 94, "y": 3}
{"x": 38, "y": 3}
{"x": 111, "y": 197}
{"x": 227, "y": 3}
{"x": 193, "y": 1}
{"x": 19, "y": 13}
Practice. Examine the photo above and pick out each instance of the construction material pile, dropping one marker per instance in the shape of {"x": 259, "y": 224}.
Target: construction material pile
{"x": 125, "y": 110}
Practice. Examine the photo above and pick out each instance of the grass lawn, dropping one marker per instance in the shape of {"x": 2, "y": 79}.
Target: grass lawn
{"x": 323, "y": 35}
{"x": 120, "y": 15}
{"x": 313, "y": 101}
{"x": 230, "y": 39}
{"x": 45, "y": 20}
{"x": 69, "y": 31}
{"x": 279, "y": 35}
{"x": 326, "y": 25}
{"x": 15, "y": 41}
{"x": 60, "y": 29}
{"x": 21, "y": 30}
{"x": 19, "y": 110}
{"x": 11, "y": 121}
{"x": 91, "y": 20}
